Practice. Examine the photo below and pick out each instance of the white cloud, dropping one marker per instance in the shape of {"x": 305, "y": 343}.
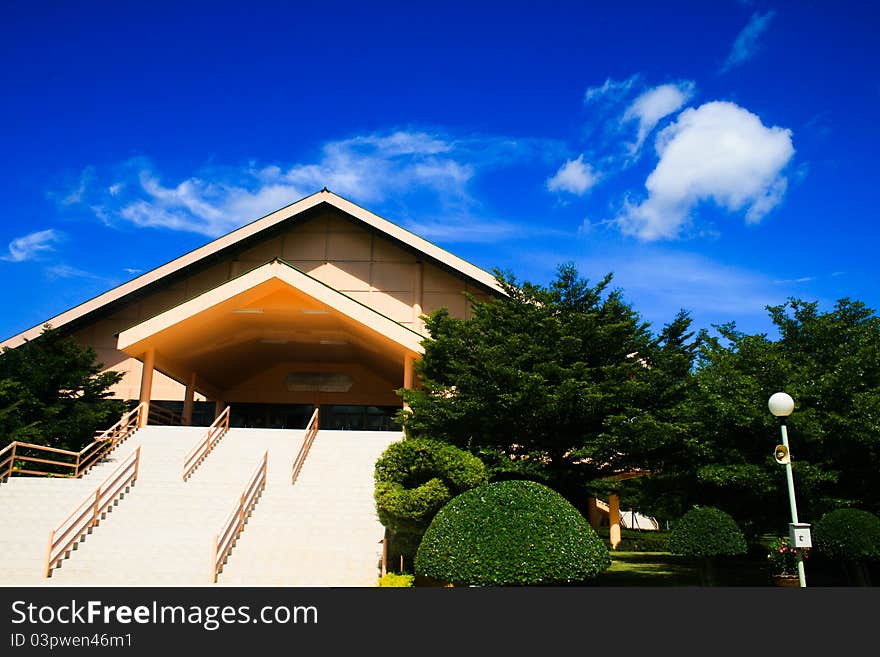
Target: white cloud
{"x": 718, "y": 152}
{"x": 612, "y": 90}
{"x": 746, "y": 43}
{"x": 76, "y": 194}
{"x": 664, "y": 281}
{"x": 369, "y": 168}
{"x": 66, "y": 271}
{"x": 466, "y": 230}
{"x": 789, "y": 281}
{"x": 653, "y": 105}
{"x": 575, "y": 177}
{"x": 32, "y": 245}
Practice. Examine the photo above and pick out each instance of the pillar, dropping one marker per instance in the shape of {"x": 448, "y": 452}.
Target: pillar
{"x": 614, "y": 520}
{"x": 593, "y": 514}
{"x": 219, "y": 405}
{"x": 149, "y": 364}
{"x": 408, "y": 374}
{"x": 188, "y": 400}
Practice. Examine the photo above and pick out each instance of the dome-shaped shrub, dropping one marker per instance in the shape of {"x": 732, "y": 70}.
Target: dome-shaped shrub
{"x": 852, "y": 537}
{"x": 510, "y": 533}
{"x": 848, "y": 535}
{"x": 706, "y": 532}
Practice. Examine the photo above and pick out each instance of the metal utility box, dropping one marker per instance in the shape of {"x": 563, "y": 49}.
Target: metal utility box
{"x": 799, "y": 533}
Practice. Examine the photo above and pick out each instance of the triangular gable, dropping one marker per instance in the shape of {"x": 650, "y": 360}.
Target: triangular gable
{"x": 131, "y": 341}
{"x": 433, "y": 252}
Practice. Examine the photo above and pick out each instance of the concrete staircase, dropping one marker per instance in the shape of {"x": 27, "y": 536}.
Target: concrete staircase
{"x": 322, "y": 531}
{"x": 31, "y": 506}
{"x": 160, "y": 533}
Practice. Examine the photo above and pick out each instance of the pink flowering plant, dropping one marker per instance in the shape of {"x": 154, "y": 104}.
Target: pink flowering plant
{"x": 783, "y": 557}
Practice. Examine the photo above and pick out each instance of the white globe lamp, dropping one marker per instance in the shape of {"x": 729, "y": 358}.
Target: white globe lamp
{"x": 781, "y": 404}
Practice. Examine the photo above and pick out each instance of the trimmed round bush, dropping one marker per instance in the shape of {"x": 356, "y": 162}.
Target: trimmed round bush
{"x": 510, "y": 533}
{"x": 416, "y": 477}
{"x": 848, "y": 535}
{"x": 705, "y": 532}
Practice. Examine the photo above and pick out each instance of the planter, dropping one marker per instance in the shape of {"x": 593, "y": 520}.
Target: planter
{"x": 786, "y": 580}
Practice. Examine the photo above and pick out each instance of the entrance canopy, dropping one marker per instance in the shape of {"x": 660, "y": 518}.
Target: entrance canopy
{"x": 274, "y": 313}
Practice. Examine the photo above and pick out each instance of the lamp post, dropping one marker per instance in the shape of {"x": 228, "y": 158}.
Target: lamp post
{"x": 781, "y": 405}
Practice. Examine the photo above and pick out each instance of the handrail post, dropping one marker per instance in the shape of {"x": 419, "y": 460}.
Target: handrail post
{"x": 137, "y": 464}
{"x": 48, "y": 572}
{"x": 96, "y": 507}
{"x": 214, "y": 559}
{"x": 76, "y": 469}
{"x": 12, "y": 462}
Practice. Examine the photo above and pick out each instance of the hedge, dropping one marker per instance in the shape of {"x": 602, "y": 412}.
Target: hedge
{"x": 706, "y": 532}
{"x": 415, "y": 478}
{"x": 848, "y": 535}
{"x": 510, "y": 533}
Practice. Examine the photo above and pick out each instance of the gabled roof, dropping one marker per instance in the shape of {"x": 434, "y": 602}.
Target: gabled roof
{"x": 118, "y": 294}
{"x": 134, "y": 339}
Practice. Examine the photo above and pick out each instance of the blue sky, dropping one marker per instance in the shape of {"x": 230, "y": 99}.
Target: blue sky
{"x": 716, "y": 157}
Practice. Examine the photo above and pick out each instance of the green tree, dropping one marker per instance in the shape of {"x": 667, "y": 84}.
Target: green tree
{"x": 415, "y": 478}
{"x": 563, "y": 384}
{"x": 705, "y": 534}
{"x": 829, "y": 362}
{"x": 53, "y": 392}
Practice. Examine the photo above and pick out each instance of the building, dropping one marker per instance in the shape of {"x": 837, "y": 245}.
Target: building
{"x": 316, "y": 304}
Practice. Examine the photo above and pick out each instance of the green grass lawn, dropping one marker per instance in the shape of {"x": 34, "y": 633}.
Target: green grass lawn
{"x": 665, "y": 569}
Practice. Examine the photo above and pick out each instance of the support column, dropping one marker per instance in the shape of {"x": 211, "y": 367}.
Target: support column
{"x": 408, "y": 374}
{"x": 614, "y": 520}
{"x": 188, "y": 400}
{"x": 219, "y": 405}
{"x": 593, "y": 514}
{"x": 149, "y": 364}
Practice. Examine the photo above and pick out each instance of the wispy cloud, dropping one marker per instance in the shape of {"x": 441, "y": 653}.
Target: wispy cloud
{"x": 435, "y": 168}
{"x": 466, "y": 230}
{"x": 32, "y": 245}
{"x": 66, "y": 271}
{"x": 611, "y": 90}
{"x": 659, "y": 281}
{"x": 574, "y": 176}
{"x": 671, "y": 280}
{"x": 655, "y": 104}
{"x": 718, "y": 152}
{"x": 789, "y": 281}
{"x": 746, "y": 44}
{"x": 78, "y": 192}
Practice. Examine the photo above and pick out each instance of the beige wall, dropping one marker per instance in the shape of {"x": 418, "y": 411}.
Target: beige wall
{"x": 270, "y": 386}
{"x": 340, "y": 253}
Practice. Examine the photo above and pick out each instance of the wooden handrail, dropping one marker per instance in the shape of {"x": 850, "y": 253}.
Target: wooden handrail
{"x": 88, "y": 514}
{"x": 232, "y": 528}
{"x": 82, "y": 460}
{"x": 200, "y": 450}
{"x": 308, "y": 439}
{"x": 54, "y": 450}
{"x": 109, "y": 439}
